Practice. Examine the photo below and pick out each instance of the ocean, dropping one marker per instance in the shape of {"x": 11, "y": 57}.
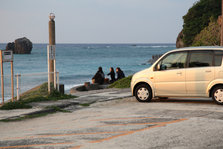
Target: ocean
{"x": 77, "y": 63}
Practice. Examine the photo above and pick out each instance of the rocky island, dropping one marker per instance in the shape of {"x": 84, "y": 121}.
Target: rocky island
{"x": 20, "y": 46}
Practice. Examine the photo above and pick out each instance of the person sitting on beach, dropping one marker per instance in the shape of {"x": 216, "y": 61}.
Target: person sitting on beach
{"x": 99, "y": 76}
{"x": 120, "y": 73}
{"x": 112, "y": 75}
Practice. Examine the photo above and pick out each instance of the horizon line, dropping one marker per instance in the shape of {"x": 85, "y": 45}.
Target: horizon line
{"x": 102, "y": 43}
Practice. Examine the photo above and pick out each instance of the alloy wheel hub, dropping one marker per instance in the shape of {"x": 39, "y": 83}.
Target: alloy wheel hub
{"x": 143, "y": 93}
{"x": 218, "y": 95}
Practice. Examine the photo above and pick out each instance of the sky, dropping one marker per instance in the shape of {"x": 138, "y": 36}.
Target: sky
{"x": 94, "y": 21}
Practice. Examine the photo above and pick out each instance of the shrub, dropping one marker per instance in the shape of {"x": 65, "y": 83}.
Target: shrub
{"x": 209, "y": 36}
{"x": 198, "y": 17}
{"x": 123, "y": 83}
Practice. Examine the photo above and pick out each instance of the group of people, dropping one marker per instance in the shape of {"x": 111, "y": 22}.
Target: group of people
{"x": 99, "y": 77}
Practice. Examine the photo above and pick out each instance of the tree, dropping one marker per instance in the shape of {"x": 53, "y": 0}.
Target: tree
{"x": 198, "y": 17}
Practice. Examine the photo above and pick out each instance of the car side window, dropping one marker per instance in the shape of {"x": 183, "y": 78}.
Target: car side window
{"x": 218, "y": 58}
{"x": 201, "y": 59}
{"x": 175, "y": 60}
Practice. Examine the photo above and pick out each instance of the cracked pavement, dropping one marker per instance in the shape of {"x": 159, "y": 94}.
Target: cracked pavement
{"x": 122, "y": 123}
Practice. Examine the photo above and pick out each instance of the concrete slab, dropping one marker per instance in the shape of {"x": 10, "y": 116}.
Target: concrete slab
{"x": 123, "y": 123}
{"x": 84, "y": 97}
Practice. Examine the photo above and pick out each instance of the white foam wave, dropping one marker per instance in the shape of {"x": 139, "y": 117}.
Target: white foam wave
{"x": 69, "y": 86}
{"x": 156, "y": 46}
{"x": 161, "y": 46}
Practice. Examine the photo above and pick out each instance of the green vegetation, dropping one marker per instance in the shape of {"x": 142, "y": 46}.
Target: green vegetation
{"x": 209, "y": 36}
{"x": 198, "y": 17}
{"x": 123, "y": 83}
{"x": 85, "y": 104}
{"x": 41, "y": 90}
{"x": 37, "y": 94}
{"x": 15, "y": 105}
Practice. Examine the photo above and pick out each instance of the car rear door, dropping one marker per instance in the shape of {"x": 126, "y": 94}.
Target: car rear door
{"x": 200, "y": 72}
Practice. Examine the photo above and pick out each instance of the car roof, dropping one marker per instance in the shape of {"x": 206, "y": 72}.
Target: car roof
{"x": 200, "y": 48}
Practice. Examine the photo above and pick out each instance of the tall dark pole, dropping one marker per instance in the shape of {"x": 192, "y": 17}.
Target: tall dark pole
{"x": 2, "y": 78}
{"x": 51, "y": 43}
{"x": 222, "y": 23}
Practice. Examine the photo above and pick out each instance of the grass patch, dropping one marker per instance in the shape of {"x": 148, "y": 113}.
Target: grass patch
{"x": 37, "y": 94}
{"x": 123, "y": 83}
{"x": 15, "y": 105}
{"x": 85, "y": 104}
{"x": 26, "y": 117}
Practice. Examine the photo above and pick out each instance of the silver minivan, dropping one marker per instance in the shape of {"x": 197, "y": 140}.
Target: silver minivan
{"x": 186, "y": 72}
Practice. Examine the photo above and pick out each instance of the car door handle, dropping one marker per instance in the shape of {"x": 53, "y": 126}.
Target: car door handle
{"x": 179, "y": 73}
{"x": 208, "y": 71}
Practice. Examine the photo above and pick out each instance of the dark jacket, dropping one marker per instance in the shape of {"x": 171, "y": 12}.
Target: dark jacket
{"x": 120, "y": 75}
{"x": 112, "y": 74}
{"x": 99, "y": 77}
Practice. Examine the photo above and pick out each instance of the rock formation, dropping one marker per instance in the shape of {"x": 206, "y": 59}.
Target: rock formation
{"x": 20, "y": 46}
{"x": 179, "y": 42}
{"x": 10, "y": 46}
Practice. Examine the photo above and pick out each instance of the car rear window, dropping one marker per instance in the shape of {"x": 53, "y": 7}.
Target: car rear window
{"x": 218, "y": 58}
{"x": 201, "y": 59}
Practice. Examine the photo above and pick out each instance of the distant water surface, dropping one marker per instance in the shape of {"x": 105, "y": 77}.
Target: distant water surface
{"x": 77, "y": 63}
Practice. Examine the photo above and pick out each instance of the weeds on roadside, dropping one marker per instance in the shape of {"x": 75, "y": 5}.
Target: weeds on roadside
{"x": 37, "y": 95}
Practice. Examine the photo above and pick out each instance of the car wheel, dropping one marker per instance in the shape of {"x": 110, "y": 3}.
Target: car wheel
{"x": 217, "y": 95}
{"x": 143, "y": 93}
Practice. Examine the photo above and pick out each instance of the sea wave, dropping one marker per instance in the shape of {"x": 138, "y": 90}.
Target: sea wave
{"x": 154, "y": 46}
{"x": 67, "y": 87}
{"x": 162, "y": 46}
{"x": 68, "y": 77}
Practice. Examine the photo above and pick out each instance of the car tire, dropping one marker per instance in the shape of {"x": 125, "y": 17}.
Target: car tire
{"x": 217, "y": 95}
{"x": 143, "y": 93}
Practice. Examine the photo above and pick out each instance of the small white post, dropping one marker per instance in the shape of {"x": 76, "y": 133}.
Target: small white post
{"x": 58, "y": 81}
{"x": 18, "y": 88}
{"x": 12, "y": 81}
